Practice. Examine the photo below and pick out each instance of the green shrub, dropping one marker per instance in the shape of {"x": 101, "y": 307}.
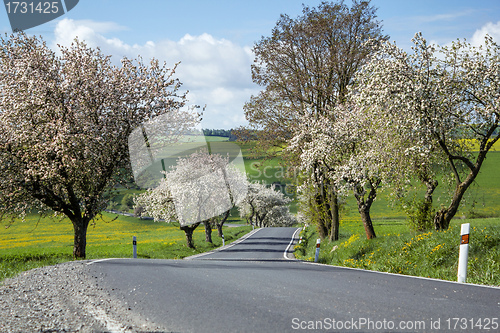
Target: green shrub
{"x": 127, "y": 201}
{"x": 420, "y": 214}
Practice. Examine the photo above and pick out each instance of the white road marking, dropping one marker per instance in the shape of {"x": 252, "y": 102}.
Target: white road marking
{"x": 285, "y": 254}
{"x": 106, "y": 259}
{"x": 401, "y": 275}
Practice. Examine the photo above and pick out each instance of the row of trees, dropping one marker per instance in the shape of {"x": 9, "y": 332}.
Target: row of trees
{"x": 229, "y": 134}
{"x": 202, "y": 188}
{"x": 217, "y": 132}
{"x": 65, "y": 125}
{"x": 437, "y": 103}
{"x": 352, "y": 112}
{"x": 266, "y": 207}
{"x": 348, "y": 110}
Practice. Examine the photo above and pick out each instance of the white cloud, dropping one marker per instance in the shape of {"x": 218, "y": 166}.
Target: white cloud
{"x": 102, "y": 27}
{"x": 477, "y": 39}
{"x": 490, "y": 28}
{"x": 442, "y": 17}
{"x": 221, "y": 96}
{"x": 215, "y": 71}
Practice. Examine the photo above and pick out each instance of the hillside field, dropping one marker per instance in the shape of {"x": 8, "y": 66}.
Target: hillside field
{"x": 46, "y": 241}
{"x": 37, "y": 242}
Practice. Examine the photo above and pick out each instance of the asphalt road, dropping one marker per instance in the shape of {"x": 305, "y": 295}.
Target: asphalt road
{"x": 251, "y": 287}
{"x": 260, "y": 244}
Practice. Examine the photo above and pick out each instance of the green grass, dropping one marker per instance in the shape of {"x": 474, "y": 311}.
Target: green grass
{"x": 213, "y": 138}
{"x": 35, "y": 243}
{"x": 47, "y": 241}
{"x": 398, "y": 250}
{"x": 434, "y": 254}
{"x": 480, "y": 200}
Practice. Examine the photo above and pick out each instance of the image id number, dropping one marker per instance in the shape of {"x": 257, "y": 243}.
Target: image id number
{"x": 470, "y": 324}
{"x": 23, "y": 7}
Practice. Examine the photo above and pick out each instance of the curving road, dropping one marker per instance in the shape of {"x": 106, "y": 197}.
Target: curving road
{"x": 260, "y": 244}
{"x": 251, "y": 287}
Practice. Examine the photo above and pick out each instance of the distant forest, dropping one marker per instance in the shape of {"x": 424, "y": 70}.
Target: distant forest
{"x": 220, "y": 132}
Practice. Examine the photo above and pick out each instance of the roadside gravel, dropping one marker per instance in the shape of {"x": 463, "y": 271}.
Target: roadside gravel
{"x": 64, "y": 298}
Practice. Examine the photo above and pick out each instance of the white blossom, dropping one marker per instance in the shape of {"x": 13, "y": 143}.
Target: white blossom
{"x": 266, "y": 207}
{"x": 64, "y": 124}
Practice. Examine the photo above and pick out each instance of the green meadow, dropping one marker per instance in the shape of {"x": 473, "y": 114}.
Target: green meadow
{"x": 398, "y": 249}
{"x": 46, "y": 241}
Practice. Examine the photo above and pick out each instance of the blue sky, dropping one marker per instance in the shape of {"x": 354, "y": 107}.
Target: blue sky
{"x": 213, "y": 39}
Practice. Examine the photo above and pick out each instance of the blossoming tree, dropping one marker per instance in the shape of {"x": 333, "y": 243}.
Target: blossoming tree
{"x": 198, "y": 188}
{"x": 449, "y": 95}
{"x": 306, "y": 67}
{"x": 266, "y": 207}
{"x": 64, "y": 124}
{"x": 345, "y": 151}
{"x": 411, "y": 160}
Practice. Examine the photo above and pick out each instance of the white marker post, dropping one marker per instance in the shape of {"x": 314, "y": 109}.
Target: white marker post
{"x": 134, "y": 244}
{"x": 463, "y": 253}
{"x": 316, "y": 257}
{"x": 223, "y": 241}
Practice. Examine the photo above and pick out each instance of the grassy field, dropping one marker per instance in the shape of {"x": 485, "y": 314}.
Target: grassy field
{"x": 38, "y": 242}
{"x": 34, "y": 243}
{"x": 398, "y": 250}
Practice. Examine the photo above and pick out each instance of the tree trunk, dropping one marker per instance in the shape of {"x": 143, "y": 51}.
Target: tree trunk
{"x": 251, "y": 217}
{"x": 367, "y": 222}
{"x": 440, "y": 221}
{"x": 364, "y": 206}
{"x": 426, "y": 213}
{"x": 262, "y": 219}
{"x": 188, "y": 231}
{"x": 443, "y": 217}
{"x": 334, "y": 233}
{"x": 326, "y": 215}
{"x": 208, "y": 231}
{"x": 258, "y": 220}
{"x": 427, "y": 205}
{"x": 326, "y": 208}
{"x": 80, "y": 226}
{"x": 189, "y": 237}
{"x": 221, "y": 223}
{"x": 219, "y": 230}
{"x": 320, "y": 222}
{"x": 431, "y": 185}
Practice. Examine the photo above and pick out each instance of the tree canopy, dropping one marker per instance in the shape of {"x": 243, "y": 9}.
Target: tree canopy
{"x": 447, "y": 98}
{"x": 305, "y": 68}
{"x": 308, "y": 62}
{"x": 64, "y": 125}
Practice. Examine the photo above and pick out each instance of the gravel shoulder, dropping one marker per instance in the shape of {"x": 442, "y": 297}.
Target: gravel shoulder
{"x": 64, "y": 298}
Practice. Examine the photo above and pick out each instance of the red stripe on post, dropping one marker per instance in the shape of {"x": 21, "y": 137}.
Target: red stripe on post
{"x": 465, "y": 239}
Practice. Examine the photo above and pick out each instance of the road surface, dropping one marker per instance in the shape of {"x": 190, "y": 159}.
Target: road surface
{"x": 260, "y": 244}
{"x": 252, "y": 287}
